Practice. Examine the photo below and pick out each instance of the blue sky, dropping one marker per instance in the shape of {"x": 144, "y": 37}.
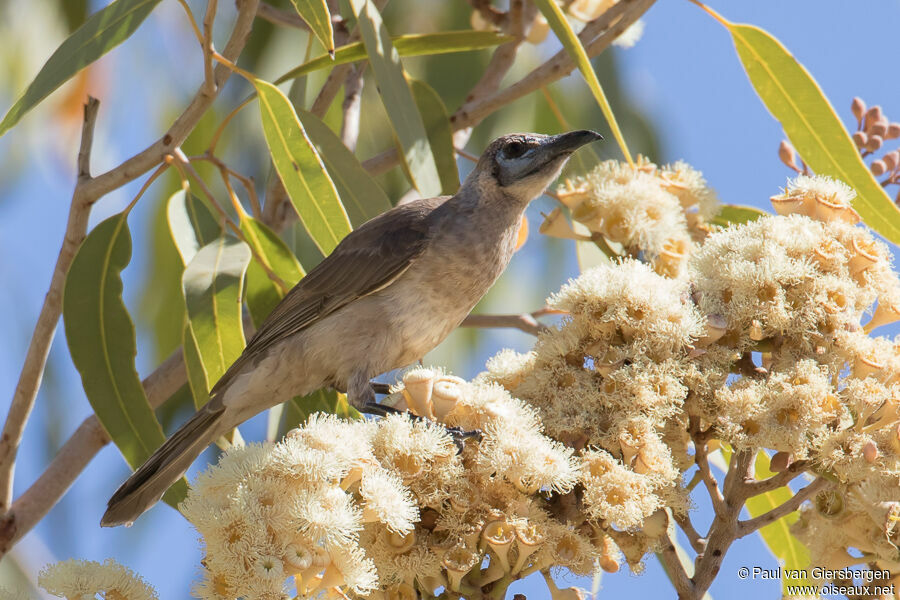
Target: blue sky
{"x": 684, "y": 74}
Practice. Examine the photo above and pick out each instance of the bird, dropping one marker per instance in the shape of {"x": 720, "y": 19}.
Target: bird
{"x": 388, "y": 293}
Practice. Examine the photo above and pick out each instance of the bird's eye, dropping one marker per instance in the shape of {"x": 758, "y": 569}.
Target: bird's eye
{"x": 514, "y": 149}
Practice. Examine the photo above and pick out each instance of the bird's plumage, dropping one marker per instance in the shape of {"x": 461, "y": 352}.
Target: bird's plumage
{"x": 389, "y": 293}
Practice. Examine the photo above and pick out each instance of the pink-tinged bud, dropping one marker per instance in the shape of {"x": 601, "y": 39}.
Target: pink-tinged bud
{"x": 891, "y": 160}
{"x": 787, "y": 155}
{"x": 878, "y": 168}
{"x": 860, "y": 138}
{"x": 872, "y": 115}
{"x": 893, "y": 131}
{"x": 874, "y": 143}
{"x": 879, "y": 128}
{"x": 870, "y": 452}
{"x": 858, "y": 106}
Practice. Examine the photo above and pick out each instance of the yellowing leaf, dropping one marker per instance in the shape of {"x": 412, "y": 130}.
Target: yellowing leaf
{"x": 301, "y": 170}
{"x": 398, "y": 100}
{"x": 414, "y": 44}
{"x": 560, "y": 26}
{"x": 316, "y": 15}
{"x": 212, "y": 284}
{"x": 101, "y": 340}
{"x": 810, "y": 122}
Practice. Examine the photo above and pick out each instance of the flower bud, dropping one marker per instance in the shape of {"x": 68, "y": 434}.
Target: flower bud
{"x": 874, "y": 143}
{"x": 893, "y": 131}
{"x": 780, "y": 462}
{"x": 891, "y": 160}
{"x": 858, "y": 107}
{"x": 539, "y": 30}
{"x": 860, "y": 138}
{"x": 878, "y": 167}
{"x": 873, "y": 115}
{"x": 879, "y": 128}
{"x": 787, "y": 155}
{"x": 870, "y": 452}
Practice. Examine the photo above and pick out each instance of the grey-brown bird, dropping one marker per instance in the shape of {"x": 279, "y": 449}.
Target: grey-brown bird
{"x": 389, "y": 293}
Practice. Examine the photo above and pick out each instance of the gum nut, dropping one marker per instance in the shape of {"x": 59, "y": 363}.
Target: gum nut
{"x": 499, "y": 535}
{"x": 780, "y": 462}
{"x": 860, "y": 139}
{"x": 864, "y": 256}
{"x": 864, "y": 366}
{"x": 830, "y": 212}
{"x": 858, "y": 107}
{"x": 556, "y": 225}
{"x": 789, "y": 205}
{"x": 528, "y": 540}
{"x": 446, "y": 395}
{"x": 399, "y": 543}
{"x": 885, "y": 313}
{"x": 893, "y": 131}
{"x": 716, "y": 326}
{"x": 418, "y": 384}
{"x": 457, "y": 562}
{"x": 878, "y": 167}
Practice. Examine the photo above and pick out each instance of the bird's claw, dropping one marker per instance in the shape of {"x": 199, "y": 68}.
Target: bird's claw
{"x": 458, "y": 434}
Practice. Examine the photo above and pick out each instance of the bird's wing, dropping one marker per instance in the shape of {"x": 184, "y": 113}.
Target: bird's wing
{"x": 367, "y": 260}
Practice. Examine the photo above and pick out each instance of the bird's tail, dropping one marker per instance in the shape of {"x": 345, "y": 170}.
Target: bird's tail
{"x": 163, "y": 468}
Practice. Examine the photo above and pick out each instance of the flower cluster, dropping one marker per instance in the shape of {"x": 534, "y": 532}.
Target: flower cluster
{"x": 77, "y": 579}
{"x": 379, "y": 509}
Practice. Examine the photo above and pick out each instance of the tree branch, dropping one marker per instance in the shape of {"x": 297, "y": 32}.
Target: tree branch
{"x": 276, "y": 16}
{"x": 698, "y": 543}
{"x": 87, "y": 191}
{"x": 524, "y": 322}
{"x": 753, "y": 487}
{"x": 39, "y": 347}
{"x": 677, "y": 575}
{"x": 596, "y": 37}
{"x": 751, "y": 525}
{"x": 76, "y": 453}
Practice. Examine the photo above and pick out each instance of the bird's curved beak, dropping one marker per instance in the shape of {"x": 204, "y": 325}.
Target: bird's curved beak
{"x": 567, "y": 143}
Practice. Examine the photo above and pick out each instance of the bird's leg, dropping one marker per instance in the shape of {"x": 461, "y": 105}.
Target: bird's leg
{"x": 370, "y": 406}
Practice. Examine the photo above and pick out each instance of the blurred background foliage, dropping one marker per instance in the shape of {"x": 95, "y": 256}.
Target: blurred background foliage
{"x": 679, "y": 94}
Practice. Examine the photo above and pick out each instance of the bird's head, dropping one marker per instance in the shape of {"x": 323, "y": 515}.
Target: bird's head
{"x": 523, "y": 164}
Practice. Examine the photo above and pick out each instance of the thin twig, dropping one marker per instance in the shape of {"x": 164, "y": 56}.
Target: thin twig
{"x": 208, "y": 20}
{"x": 524, "y": 322}
{"x": 39, "y": 347}
{"x": 87, "y": 191}
{"x": 596, "y": 36}
{"x": 698, "y": 543}
{"x": 701, "y": 457}
{"x": 351, "y": 107}
{"x": 680, "y": 580}
{"x": 749, "y": 526}
{"x": 753, "y": 487}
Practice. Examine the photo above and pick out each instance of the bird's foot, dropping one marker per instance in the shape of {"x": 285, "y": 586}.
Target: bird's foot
{"x": 458, "y": 434}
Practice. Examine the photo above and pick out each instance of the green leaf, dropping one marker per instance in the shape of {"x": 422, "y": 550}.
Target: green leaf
{"x": 101, "y": 340}
{"x": 734, "y": 214}
{"x": 191, "y": 224}
{"x": 194, "y": 366}
{"x": 811, "y": 124}
{"x": 360, "y": 193}
{"x": 212, "y": 285}
{"x": 416, "y": 44}
{"x": 777, "y": 536}
{"x": 102, "y": 32}
{"x": 270, "y": 251}
{"x": 440, "y": 133}
{"x": 398, "y": 100}
{"x": 316, "y": 15}
{"x": 298, "y": 409}
{"x": 560, "y": 26}
{"x": 301, "y": 170}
